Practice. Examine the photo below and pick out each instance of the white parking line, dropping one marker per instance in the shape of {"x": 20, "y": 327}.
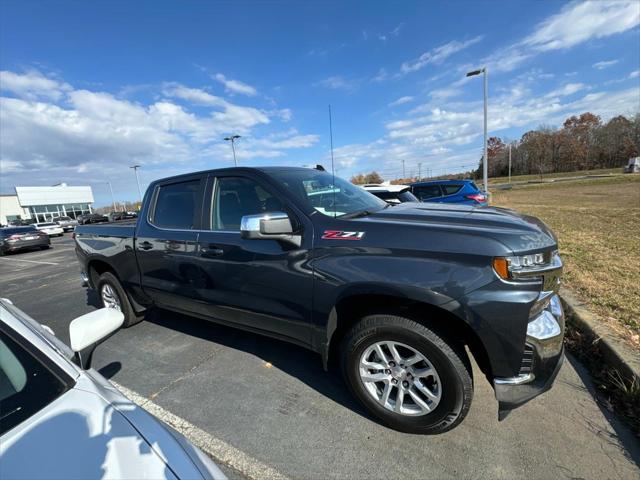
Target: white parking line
{"x": 218, "y": 449}
{"x": 28, "y": 261}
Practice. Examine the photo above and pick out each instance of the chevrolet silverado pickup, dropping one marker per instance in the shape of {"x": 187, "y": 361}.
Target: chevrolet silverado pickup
{"x": 398, "y": 297}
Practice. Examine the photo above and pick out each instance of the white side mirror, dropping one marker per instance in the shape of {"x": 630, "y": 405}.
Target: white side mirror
{"x": 87, "y": 331}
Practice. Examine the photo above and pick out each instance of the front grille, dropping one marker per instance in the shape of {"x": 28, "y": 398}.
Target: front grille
{"x": 527, "y": 360}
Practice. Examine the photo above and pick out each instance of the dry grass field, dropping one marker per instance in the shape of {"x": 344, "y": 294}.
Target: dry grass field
{"x": 597, "y": 222}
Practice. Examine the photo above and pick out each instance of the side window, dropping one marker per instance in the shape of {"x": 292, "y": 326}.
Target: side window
{"x": 235, "y": 197}
{"x": 451, "y": 189}
{"x": 425, "y": 192}
{"x": 176, "y": 205}
{"x": 26, "y": 385}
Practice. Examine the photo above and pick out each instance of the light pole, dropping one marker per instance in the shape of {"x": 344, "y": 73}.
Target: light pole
{"x": 135, "y": 169}
{"x": 233, "y": 139}
{"x": 485, "y": 160}
{"x": 113, "y": 199}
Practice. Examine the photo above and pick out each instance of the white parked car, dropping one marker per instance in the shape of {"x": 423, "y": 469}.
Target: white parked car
{"x": 392, "y": 194}
{"x": 67, "y": 223}
{"x": 61, "y": 419}
{"x": 50, "y": 228}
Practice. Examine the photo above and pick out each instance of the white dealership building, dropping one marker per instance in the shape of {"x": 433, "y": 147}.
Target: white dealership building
{"x": 44, "y": 203}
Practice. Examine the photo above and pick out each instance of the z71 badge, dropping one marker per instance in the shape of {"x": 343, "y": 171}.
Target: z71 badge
{"x": 340, "y": 235}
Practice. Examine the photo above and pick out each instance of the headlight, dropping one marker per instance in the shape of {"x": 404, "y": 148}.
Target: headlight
{"x": 526, "y": 266}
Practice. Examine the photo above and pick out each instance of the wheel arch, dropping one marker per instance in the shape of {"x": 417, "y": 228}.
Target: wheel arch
{"x": 96, "y": 267}
{"x": 350, "y": 309}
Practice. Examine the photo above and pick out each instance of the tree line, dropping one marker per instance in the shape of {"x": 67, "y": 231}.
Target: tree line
{"x": 583, "y": 143}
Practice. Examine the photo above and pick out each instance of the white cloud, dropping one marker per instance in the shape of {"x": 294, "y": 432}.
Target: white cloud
{"x": 401, "y": 101}
{"x": 634, "y": 74}
{"x": 393, "y": 33}
{"x": 566, "y": 90}
{"x": 192, "y": 95}
{"x": 338, "y": 82}
{"x": 235, "y": 86}
{"x": 438, "y": 54}
{"x": 32, "y": 85}
{"x": 65, "y": 136}
{"x": 582, "y": 21}
{"x": 604, "y": 64}
{"x": 576, "y": 23}
{"x": 449, "y": 138}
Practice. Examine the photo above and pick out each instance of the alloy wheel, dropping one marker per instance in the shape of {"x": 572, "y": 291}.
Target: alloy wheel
{"x": 400, "y": 378}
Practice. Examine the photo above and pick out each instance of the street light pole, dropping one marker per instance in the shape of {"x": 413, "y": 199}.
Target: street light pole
{"x": 113, "y": 199}
{"x": 135, "y": 169}
{"x": 232, "y": 139}
{"x": 509, "y": 163}
{"x": 485, "y": 159}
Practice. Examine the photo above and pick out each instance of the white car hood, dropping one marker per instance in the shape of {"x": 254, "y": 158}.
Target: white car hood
{"x": 79, "y": 436}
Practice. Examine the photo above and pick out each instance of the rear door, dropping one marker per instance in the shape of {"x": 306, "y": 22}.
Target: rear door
{"x": 261, "y": 284}
{"x": 428, "y": 193}
{"x": 166, "y": 242}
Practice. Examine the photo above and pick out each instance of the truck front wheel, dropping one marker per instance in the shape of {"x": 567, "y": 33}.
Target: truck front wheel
{"x": 112, "y": 295}
{"x": 407, "y": 375}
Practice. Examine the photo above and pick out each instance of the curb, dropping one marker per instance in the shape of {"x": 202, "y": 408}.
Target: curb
{"x": 614, "y": 351}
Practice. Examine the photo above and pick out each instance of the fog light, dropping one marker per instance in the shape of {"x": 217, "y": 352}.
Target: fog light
{"x": 544, "y": 326}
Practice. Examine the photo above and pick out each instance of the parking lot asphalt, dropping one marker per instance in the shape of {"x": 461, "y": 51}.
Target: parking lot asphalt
{"x": 273, "y": 401}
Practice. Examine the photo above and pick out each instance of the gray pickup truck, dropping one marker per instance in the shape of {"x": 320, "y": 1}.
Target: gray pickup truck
{"x": 395, "y": 295}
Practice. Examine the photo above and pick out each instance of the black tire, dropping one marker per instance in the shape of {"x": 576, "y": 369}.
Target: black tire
{"x": 447, "y": 357}
{"x": 130, "y": 315}
{"x": 45, "y": 247}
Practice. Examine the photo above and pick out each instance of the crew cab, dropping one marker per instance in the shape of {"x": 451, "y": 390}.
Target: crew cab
{"x": 394, "y": 295}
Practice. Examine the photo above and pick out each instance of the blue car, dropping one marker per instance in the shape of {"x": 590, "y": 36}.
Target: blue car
{"x": 450, "y": 191}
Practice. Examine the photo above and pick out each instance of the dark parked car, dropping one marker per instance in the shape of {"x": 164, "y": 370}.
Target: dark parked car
{"x": 92, "y": 218}
{"x": 393, "y": 294}
{"x": 449, "y": 191}
{"x": 118, "y": 216}
{"x": 13, "y": 239}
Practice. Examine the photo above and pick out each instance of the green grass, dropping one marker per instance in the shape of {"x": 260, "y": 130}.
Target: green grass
{"x": 597, "y": 222}
{"x": 549, "y": 176}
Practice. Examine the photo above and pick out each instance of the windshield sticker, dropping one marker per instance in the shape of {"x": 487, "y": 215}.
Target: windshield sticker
{"x": 340, "y": 235}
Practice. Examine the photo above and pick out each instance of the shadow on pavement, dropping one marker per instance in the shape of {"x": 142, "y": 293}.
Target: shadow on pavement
{"x": 296, "y": 361}
{"x": 623, "y": 434}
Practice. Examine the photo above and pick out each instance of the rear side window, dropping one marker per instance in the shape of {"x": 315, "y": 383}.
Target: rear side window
{"x": 425, "y": 192}
{"x": 6, "y": 232}
{"x": 26, "y": 385}
{"x": 176, "y": 205}
{"x": 237, "y": 196}
{"x": 451, "y": 189}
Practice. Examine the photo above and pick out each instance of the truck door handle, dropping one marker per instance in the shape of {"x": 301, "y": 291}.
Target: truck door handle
{"x": 145, "y": 246}
{"x": 211, "y": 251}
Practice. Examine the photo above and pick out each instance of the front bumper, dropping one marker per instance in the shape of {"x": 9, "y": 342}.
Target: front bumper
{"x": 543, "y": 357}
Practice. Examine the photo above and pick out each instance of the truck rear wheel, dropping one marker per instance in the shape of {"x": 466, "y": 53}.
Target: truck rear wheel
{"x": 112, "y": 295}
{"x": 407, "y": 375}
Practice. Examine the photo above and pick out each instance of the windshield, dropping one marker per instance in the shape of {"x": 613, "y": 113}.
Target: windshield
{"x": 320, "y": 191}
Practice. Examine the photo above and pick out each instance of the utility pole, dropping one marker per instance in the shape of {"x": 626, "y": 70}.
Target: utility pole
{"x": 135, "y": 169}
{"x": 419, "y": 171}
{"x": 233, "y": 139}
{"x": 403, "y": 174}
{"x": 485, "y": 158}
{"x": 113, "y": 199}
{"x": 509, "y": 163}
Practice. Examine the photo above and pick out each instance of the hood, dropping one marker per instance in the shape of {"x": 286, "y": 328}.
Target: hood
{"x": 520, "y": 233}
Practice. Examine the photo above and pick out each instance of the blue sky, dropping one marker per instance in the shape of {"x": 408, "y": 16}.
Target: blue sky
{"x": 89, "y": 88}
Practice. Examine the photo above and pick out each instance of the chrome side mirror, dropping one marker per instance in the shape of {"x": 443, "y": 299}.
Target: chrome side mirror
{"x": 269, "y": 226}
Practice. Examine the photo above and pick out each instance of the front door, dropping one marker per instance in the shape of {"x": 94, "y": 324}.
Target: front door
{"x": 265, "y": 285}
